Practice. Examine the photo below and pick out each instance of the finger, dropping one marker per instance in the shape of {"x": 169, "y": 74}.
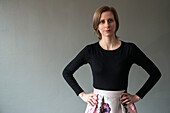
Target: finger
{"x": 123, "y": 98}
{"x": 128, "y": 96}
{"x": 93, "y": 94}
{"x": 125, "y": 94}
{"x": 93, "y": 100}
{"x": 91, "y": 103}
{"x": 93, "y": 97}
{"x": 125, "y": 101}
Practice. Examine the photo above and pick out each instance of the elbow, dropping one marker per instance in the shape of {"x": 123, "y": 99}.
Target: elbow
{"x": 156, "y": 72}
{"x": 158, "y": 75}
{"x": 64, "y": 73}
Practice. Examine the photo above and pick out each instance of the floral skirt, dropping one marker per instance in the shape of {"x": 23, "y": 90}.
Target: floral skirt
{"x": 109, "y": 102}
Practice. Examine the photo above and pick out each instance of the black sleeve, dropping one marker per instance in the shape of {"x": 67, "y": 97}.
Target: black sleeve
{"x": 69, "y": 70}
{"x": 142, "y": 60}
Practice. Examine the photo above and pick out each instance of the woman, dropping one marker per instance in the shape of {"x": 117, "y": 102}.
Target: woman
{"x": 110, "y": 60}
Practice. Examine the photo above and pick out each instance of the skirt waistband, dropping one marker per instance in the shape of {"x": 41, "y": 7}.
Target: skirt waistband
{"x": 108, "y": 93}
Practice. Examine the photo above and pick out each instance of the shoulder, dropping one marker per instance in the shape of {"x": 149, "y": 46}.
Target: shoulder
{"x": 129, "y": 45}
{"x": 91, "y": 46}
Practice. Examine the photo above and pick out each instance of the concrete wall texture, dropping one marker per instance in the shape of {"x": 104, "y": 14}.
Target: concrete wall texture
{"x": 38, "y": 38}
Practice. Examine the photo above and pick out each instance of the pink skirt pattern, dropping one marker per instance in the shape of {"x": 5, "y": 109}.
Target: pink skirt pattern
{"x": 108, "y": 102}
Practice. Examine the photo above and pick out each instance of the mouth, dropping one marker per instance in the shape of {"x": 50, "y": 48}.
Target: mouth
{"x": 107, "y": 31}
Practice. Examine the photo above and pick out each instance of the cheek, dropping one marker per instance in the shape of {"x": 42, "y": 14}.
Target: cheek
{"x": 100, "y": 28}
{"x": 114, "y": 24}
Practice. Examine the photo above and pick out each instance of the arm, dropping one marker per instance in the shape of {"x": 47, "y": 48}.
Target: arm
{"x": 78, "y": 61}
{"x": 69, "y": 70}
{"x": 154, "y": 74}
{"x": 142, "y": 60}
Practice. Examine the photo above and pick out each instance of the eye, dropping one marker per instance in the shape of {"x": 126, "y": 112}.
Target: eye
{"x": 110, "y": 20}
{"x": 102, "y": 21}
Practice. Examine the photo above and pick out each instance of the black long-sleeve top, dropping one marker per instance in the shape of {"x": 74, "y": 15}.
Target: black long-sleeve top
{"x": 110, "y": 68}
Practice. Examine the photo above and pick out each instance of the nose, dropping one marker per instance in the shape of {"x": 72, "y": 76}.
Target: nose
{"x": 107, "y": 24}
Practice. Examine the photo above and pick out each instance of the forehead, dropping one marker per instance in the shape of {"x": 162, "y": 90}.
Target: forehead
{"x": 106, "y": 15}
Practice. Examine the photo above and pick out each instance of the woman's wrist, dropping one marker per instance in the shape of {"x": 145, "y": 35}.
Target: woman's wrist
{"x": 137, "y": 97}
{"x": 81, "y": 94}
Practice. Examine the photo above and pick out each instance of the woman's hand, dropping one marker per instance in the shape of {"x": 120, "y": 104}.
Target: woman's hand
{"x": 129, "y": 99}
{"x": 91, "y": 98}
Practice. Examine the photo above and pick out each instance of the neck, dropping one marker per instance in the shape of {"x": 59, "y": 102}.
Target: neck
{"x": 109, "y": 43}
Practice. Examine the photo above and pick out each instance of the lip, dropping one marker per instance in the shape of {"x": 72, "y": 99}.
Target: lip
{"x": 107, "y": 31}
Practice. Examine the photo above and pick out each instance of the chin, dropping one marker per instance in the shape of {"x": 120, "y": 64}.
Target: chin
{"x": 109, "y": 35}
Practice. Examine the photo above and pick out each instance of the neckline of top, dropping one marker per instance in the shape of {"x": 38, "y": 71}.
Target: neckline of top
{"x": 111, "y": 50}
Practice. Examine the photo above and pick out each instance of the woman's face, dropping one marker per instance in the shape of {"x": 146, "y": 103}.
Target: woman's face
{"x": 107, "y": 25}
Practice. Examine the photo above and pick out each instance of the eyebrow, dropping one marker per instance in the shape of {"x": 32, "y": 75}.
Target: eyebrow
{"x": 107, "y": 19}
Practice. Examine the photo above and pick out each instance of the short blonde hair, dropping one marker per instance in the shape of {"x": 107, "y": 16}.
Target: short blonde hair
{"x": 97, "y": 16}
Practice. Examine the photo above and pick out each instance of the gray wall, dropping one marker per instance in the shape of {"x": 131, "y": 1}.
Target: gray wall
{"x": 38, "y": 38}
